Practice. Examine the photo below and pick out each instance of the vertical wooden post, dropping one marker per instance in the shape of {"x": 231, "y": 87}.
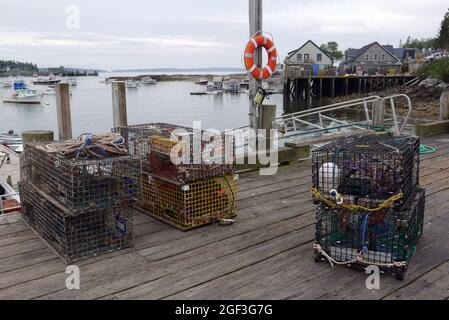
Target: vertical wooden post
{"x": 321, "y": 92}
{"x": 255, "y": 25}
{"x": 444, "y": 106}
{"x": 267, "y": 117}
{"x": 333, "y": 88}
{"x": 120, "y": 116}
{"x": 378, "y": 113}
{"x": 63, "y": 111}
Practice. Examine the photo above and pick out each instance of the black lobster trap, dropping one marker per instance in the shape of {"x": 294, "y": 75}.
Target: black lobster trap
{"x": 386, "y": 238}
{"x": 180, "y": 154}
{"x": 81, "y": 185}
{"x": 87, "y": 235}
{"x": 368, "y": 170}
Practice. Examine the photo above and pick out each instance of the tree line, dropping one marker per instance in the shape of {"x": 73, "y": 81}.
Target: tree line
{"x": 18, "y": 66}
{"x": 441, "y": 41}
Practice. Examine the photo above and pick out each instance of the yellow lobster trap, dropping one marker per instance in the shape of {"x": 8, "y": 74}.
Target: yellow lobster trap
{"x": 190, "y": 206}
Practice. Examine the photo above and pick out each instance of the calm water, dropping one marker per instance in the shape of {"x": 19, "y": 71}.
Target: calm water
{"x": 168, "y": 102}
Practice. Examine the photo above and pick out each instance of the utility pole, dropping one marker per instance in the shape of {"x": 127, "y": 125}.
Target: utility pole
{"x": 255, "y": 25}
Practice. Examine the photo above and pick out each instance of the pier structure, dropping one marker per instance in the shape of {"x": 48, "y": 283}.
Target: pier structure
{"x": 309, "y": 91}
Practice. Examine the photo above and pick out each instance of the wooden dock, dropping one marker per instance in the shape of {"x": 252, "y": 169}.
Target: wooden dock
{"x": 266, "y": 254}
{"x": 309, "y": 91}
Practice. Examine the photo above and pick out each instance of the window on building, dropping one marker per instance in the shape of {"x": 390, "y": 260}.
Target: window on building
{"x": 367, "y": 57}
{"x": 299, "y": 57}
{"x": 382, "y": 56}
{"x": 375, "y": 56}
{"x": 306, "y": 57}
{"x": 319, "y": 57}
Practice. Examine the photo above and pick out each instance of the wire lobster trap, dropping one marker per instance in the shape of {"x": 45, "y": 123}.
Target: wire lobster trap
{"x": 75, "y": 238}
{"x": 81, "y": 185}
{"x": 386, "y": 238}
{"x": 137, "y": 136}
{"x": 367, "y": 171}
{"x": 186, "y": 207}
{"x": 179, "y": 154}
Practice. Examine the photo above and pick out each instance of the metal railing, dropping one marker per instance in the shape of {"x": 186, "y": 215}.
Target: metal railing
{"x": 326, "y": 119}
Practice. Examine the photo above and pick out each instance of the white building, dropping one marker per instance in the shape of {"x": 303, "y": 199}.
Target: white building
{"x": 309, "y": 53}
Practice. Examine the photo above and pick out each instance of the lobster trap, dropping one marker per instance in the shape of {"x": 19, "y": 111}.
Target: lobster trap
{"x": 196, "y": 204}
{"x": 179, "y": 154}
{"x": 75, "y": 238}
{"x": 386, "y": 238}
{"x": 81, "y": 185}
{"x": 368, "y": 170}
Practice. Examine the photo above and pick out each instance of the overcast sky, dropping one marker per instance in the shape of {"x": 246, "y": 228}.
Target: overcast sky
{"x": 197, "y": 33}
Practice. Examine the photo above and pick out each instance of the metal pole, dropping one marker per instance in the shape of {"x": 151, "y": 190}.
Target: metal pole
{"x": 255, "y": 25}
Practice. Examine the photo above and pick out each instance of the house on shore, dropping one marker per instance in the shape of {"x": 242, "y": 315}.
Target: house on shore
{"x": 309, "y": 53}
{"x": 372, "y": 59}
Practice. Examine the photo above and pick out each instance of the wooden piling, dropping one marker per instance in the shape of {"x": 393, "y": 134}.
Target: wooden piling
{"x": 378, "y": 113}
{"x": 444, "y": 106}
{"x": 119, "y": 112}
{"x": 255, "y": 25}
{"x": 63, "y": 111}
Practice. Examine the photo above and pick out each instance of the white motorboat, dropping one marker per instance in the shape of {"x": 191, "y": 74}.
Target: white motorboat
{"x": 132, "y": 84}
{"x": 72, "y": 82}
{"x": 7, "y": 84}
{"x": 46, "y": 81}
{"x": 25, "y": 96}
{"x": 148, "y": 80}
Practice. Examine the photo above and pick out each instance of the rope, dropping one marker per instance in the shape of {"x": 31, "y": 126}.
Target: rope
{"x": 423, "y": 149}
{"x": 353, "y": 207}
{"x": 359, "y": 259}
{"x": 88, "y": 146}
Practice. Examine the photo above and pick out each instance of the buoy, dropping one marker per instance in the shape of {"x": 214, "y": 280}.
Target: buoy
{"x": 253, "y": 44}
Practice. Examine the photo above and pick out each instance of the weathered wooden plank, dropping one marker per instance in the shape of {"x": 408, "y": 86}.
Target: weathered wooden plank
{"x": 26, "y": 259}
{"x": 16, "y": 238}
{"x": 56, "y": 281}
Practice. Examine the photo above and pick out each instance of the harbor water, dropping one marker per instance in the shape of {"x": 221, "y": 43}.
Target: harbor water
{"x": 91, "y": 105}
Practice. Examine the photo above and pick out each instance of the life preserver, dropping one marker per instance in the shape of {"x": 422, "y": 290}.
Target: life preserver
{"x": 253, "y": 44}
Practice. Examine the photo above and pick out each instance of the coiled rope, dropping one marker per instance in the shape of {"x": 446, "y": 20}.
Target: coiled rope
{"x": 89, "y": 147}
{"x": 353, "y": 207}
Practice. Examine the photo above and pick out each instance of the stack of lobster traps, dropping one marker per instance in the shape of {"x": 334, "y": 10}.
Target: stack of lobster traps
{"x": 370, "y": 205}
{"x": 187, "y": 176}
{"x": 78, "y": 195}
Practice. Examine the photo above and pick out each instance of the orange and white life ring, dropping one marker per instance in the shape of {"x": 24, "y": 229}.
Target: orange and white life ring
{"x": 253, "y": 44}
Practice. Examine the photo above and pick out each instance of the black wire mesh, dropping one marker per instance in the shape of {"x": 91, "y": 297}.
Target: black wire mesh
{"x": 74, "y": 238}
{"x": 81, "y": 185}
{"x": 368, "y": 170}
{"x": 157, "y": 143}
{"x": 384, "y": 237}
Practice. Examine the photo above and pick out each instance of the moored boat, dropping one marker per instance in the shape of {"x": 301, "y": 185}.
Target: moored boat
{"x": 132, "y": 84}
{"x": 46, "y": 81}
{"x": 25, "y": 96}
{"x": 148, "y": 80}
{"x": 202, "y": 82}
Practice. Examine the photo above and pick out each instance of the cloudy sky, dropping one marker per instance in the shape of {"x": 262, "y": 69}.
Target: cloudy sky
{"x": 196, "y": 33}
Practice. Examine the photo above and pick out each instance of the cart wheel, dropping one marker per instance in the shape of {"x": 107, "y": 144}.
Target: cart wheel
{"x": 318, "y": 258}
{"x": 400, "y": 273}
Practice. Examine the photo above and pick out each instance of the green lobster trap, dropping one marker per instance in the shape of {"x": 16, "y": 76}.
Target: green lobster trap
{"x": 385, "y": 238}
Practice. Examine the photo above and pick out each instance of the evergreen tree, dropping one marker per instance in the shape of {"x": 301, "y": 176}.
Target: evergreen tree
{"x": 442, "y": 41}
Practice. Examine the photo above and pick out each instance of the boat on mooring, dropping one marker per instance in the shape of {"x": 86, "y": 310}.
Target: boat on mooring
{"x": 148, "y": 81}
{"x": 72, "y": 82}
{"x": 202, "y": 82}
{"x": 7, "y": 84}
{"x": 132, "y": 84}
{"x": 25, "y": 96}
{"x": 41, "y": 81}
